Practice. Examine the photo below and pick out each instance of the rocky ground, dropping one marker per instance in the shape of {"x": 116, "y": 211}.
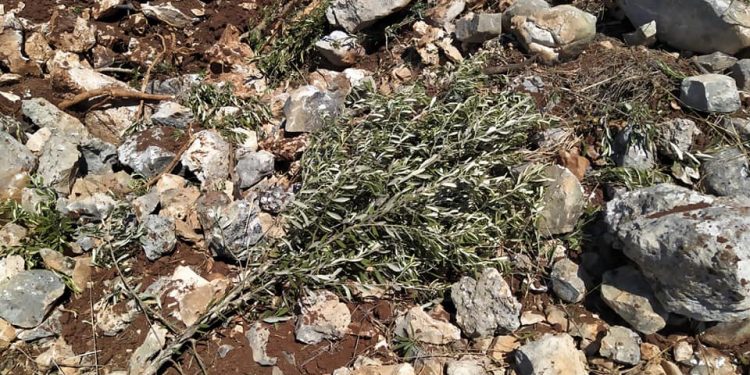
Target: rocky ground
{"x": 360, "y": 187}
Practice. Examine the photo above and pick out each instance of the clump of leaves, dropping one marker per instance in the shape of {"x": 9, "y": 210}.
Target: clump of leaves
{"x": 207, "y": 100}
{"x": 410, "y": 189}
{"x": 47, "y": 228}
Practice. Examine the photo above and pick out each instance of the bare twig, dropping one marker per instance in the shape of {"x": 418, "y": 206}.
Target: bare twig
{"x": 112, "y": 92}
{"x": 147, "y": 77}
{"x": 93, "y": 329}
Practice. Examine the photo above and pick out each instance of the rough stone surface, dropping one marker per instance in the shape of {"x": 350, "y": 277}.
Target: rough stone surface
{"x": 713, "y": 93}
{"x": 691, "y": 247}
{"x": 340, "y": 49}
{"x": 727, "y": 174}
{"x": 99, "y": 156}
{"x": 308, "y": 108}
{"x": 485, "y": 307}
{"x": 155, "y": 339}
{"x": 26, "y": 297}
{"x": 44, "y": 114}
{"x": 631, "y": 149}
{"x": 621, "y": 345}
{"x": 444, "y": 12}
{"x": 230, "y": 227}
{"x": 644, "y": 35}
{"x": 703, "y": 26}
{"x": 146, "y": 152}
{"x": 626, "y": 292}
{"x": 15, "y": 156}
{"x": 323, "y": 318}
{"x": 168, "y": 14}
{"x": 252, "y": 167}
{"x": 727, "y": 334}
{"x": 676, "y": 137}
{"x": 716, "y": 62}
{"x": 172, "y": 114}
{"x": 551, "y": 354}
{"x": 737, "y": 126}
{"x": 477, "y": 28}
{"x": 10, "y": 266}
{"x": 555, "y": 33}
{"x": 356, "y": 15}
{"x": 465, "y": 367}
{"x": 208, "y": 157}
{"x": 159, "y": 238}
{"x": 563, "y": 202}
{"x": 567, "y": 281}
{"x": 59, "y": 163}
{"x": 522, "y": 8}
{"x": 420, "y": 326}
{"x": 257, "y": 337}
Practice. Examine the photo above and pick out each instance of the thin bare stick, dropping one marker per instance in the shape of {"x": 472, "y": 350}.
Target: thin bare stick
{"x": 93, "y": 329}
{"x": 147, "y": 77}
{"x": 112, "y": 92}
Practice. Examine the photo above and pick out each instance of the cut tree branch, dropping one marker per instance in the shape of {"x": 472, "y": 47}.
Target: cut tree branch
{"x": 111, "y": 92}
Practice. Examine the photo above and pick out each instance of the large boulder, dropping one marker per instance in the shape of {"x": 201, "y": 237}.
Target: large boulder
{"x": 356, "y": 15}
{"x": 703, "y": 26}
{"x": 692, "y": 248}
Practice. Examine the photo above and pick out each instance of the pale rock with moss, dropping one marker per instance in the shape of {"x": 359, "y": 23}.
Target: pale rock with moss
{"x": 555, "y": 33}
{"x": 711, "y": 93}
{"x": 340, "y": 49}
{"x": 691, "y": 247}
{"x": 485, "y": 307}
{"x": 626, "y": 292}
{"x": 356, "y": 15}
{"x": 550, "y": 354}
{"x": 420, "y": 326}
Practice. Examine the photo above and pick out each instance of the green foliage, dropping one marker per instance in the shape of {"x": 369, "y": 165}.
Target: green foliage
{"x": 412, "y": 188}
{"x": 206, "y": 100}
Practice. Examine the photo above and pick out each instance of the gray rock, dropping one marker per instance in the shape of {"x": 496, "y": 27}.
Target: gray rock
{"x": 257, "y": 337}
{"x": 95, "y": 207}
{"x": 323, "y": 318}
{"x": 275, "y": 199}
{"x": 51, "y": 327}
{"x": 230, "y": 228}
{"x": 621, "y": 345}
{"x": 177, "y": 86}
{"x": 253, "y": 167}
{"x": 145, "y": 204}
{"x": 308, "y": 108}
{"x": 160, "y": 238}
{"x": 98, "y": 156}
{"x": 626, "y": 292}
{"x": 485, "y": 307}
{"x": 522, "y": 8}
{"x": 26, "y": 298}
{"x": 465, "y": 367}
{"x": 356, "y": 15}
{"x": 172, "y": 114}
{"x": 444, "y": 12}
{"x": 59, "y": 163}
{"x": 477, "y": 28}
{"x": 208, "y": 157}
{"x": 563, "y": 202}
{"x": 15, "y": 156}
{"x": 568, "y": 281}
{"x": 713, "y": 93}
{"x": 676, "y": 137}
{"x": 716, "y": 62}
{"x": 633, "y": 149}
{"x": 156, "y": 338}
{"x": 419, "y": 326}
{"x": 168, "y": 14}
{"x": 737, "y": 126}
{"x": 46, "y": 115}
{"x": 340, "y": 49}
{"x": 56, "y": 261}
{"x": 555, "y": 33}
{"x": 147, "y": 152}
{"x": 727, "y": 174}
{"x": 703, "y": 26}
{"x": 551, "y": 354}
{"x": 741, "y": 74}
{"x": 644, "y": 35}
{"x": 691, "y": 248}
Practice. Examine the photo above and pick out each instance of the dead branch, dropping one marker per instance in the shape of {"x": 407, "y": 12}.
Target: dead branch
{"x": 111, "y": 92}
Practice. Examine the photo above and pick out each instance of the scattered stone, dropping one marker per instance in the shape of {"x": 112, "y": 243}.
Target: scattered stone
{"x": 12, "y": 235}
{"x": 713, "y": 362}
{"x": 208, "y": 158}
{"x": 689, "y": 246}
{"x": 644, "y": 35}
{"x": 737, "y": 126}
{"x": 252, "y": 167}
{"x": 555, "y": 33}
{"x": 149, "y": 152}
{"x": 551, "y": 354}
{"x": 26, "y": 297}
{"x": 60, "y": 357}
{"x": 230, "y": 227}
{"x": 81, "y": 273}
{"x": 420, "y": 326}
{"x": 554, "y": 138}
{"x": 155, "y": 340}
{"x": 401, "y": 369}
{"x": 308, "y": 108}
{"x": 46, "y": 115}
{"x": 7, "y": 335}
{"x": 465, "y": 367}
{"x": 485, "y": 307}
{"x": 159, "y": 238}
{"x": 632, "y": 149}
{"x": 713, "y": 93}
{"x": 563, "y": 202}
{"x": 715, "y": 25}
{"x": 522, "y": 8}
{"x": 230, "y": 54}
{"x": 15, "y": 156}
{"x": 622, "y": 346}
{"x": 567, "y": 281}
{"x": 11, "y": 55}
{"x": 650, "y": 351}
{"x": 94, "y": 207}
{"x": 172, "y": 114}
{"x": 11, "y": 266}
{"x": 56, "y": 261}
{"x": 676, "y": 137}
{"x": 429, "y": 366}
{"x": 340, "y": 49}
{"x": 80, "y": 39}
{"x": 69, "y": 73}
{"x": 444, "y": 12}
{"x": 176, "y": 86}
{"x": 168, "y": 14}
{"x": 716, "y": 62}
{"x": 257, "y": 336}
{"x": 531, "y": 317}
{"x": 477, "y": 28}
{"x": 58, "y": 165}
{"x": 107, "y": 8}
{"x": 501, "y": 346}
{"x": 37, "y": 48}
{"x": 51, "y": 327}
{"x": 356, "y": 15}
{"x": 626, "y": 292}
{"x": 323, "y": 318}
{"x": 727, "y": 173}
{"x": 682, "y": 352}
{"x": 728, "y": 334}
